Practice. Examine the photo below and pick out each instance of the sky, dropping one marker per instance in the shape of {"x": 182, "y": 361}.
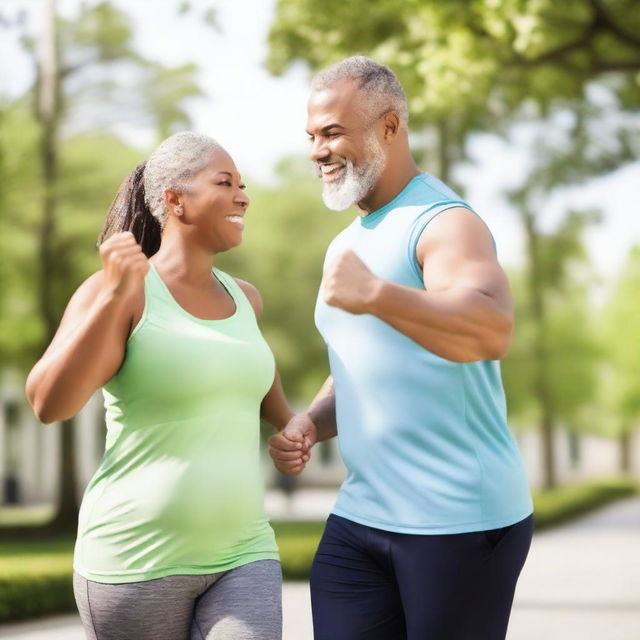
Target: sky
{"x": 261, "y": 119}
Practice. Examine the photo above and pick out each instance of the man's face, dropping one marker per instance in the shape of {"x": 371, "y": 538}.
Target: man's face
{"x": 344, "y": 144}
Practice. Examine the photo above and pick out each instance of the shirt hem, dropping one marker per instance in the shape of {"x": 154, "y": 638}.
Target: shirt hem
{"x": 189, "y": 570}
{"x": 438, "y": 529}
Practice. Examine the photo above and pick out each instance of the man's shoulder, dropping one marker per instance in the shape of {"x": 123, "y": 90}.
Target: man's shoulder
{"x": 425, "y": 190}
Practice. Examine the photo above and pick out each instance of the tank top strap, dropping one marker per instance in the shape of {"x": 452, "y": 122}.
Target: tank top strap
{"x": 154, "y": 287}
{"x": 235, "y": 291}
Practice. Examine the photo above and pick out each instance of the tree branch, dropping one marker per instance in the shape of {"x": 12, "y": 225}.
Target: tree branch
{"x": 606, "y": 21}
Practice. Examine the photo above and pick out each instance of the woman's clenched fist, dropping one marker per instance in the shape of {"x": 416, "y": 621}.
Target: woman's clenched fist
{"x": 125, "y": 265}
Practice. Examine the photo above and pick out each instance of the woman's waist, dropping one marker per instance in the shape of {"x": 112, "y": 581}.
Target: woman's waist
{"x": 175, "y": 498}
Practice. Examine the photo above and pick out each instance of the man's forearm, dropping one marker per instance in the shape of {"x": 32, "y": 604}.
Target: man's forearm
{"x": 322, "y": 411}
{"x": 274, "y": 407}
{"x": 461, "y": 325}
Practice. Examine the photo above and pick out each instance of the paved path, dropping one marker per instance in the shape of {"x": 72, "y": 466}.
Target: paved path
{"x": 581, "y": 582}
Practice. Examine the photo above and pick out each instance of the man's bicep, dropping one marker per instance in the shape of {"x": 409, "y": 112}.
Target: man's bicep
{"x": 457, "y": 251}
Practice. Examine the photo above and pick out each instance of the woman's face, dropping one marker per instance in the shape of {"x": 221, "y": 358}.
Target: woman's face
{"x": 216, "y": 203}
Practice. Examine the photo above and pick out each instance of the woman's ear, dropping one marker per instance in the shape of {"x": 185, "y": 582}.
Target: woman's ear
{"x": 172, "y": 202}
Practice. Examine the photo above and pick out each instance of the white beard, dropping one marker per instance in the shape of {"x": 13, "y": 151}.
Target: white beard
{"x": 355, "y": 183}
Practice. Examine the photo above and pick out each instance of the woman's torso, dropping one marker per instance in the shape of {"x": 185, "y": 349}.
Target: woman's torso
{"x": 179, "y": 489}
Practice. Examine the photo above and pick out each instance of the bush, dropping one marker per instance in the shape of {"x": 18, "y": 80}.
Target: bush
{"x": 559, "y": 505}
{"x": 297, "y": 542}
{"x": 32, "y": 596}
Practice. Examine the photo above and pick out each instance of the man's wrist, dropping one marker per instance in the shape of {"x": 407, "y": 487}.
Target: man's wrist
{"x": 376, "y": 296}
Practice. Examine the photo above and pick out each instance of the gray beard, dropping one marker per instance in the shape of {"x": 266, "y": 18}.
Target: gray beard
{"x": 355, "y": 183}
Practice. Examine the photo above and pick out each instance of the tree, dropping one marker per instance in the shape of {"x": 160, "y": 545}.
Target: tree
{"x": 76, "y": 75}
{"x": 555, "y": 309}
{"x": 551, "y": 372}
{"x": 467, "y": 65}
{"x": 621, "y": 335}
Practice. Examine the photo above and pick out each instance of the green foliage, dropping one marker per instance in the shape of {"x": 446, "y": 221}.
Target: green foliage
{"x": 297, "y": 542}
{"x": 26, "y": 597}
{"x": 103, "y": 84}
{"x": 568, "y": 337}
{"x": 91, "y": 170}
{"x": 100, "y": 66}
{"x": 469, "y": 65}
{"x": 21, "y": 192}
{"x": 553, "y": 370}
{"x": 466, "y": 54}
{"x": 556, "y": 506}
{"x": 621, "y": 335}
{"x": 571, "y": 367}
{"x": 35, "y": 578}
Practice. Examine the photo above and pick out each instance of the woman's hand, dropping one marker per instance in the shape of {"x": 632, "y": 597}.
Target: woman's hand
{"x": 125, "y": 265}
{"x": 290, "y": 449}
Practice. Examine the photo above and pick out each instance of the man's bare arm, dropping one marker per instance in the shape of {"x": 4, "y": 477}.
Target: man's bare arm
{"x": 290, "y": 449}
{"x": 465, "y": 313}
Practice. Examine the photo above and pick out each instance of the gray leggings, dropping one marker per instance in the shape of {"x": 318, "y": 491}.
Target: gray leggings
{"x": 244, "y": 603}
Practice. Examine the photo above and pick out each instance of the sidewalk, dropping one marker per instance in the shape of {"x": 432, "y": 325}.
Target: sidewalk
{"x": 581, "y": 582}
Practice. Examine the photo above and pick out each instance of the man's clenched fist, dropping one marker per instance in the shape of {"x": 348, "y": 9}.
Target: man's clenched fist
{"x": 349, "y": 285}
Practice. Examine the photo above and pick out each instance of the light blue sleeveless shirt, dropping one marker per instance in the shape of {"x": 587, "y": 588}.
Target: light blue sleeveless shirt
{"x": 425, "y": 440}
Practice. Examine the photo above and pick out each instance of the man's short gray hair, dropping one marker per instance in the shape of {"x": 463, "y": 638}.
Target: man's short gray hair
{"x": 377, "y": 81}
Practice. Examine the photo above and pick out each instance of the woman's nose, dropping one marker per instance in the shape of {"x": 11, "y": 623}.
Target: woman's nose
{"x": 242, "y": 198}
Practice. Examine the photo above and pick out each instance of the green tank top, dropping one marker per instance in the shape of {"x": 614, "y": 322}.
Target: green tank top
{"x": 180, "y": 488}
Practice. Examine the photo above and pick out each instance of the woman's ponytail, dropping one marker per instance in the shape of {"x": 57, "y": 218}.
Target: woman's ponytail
{"x": 129, "y": 212}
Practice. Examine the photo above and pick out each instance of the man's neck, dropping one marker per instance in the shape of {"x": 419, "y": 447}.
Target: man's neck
{"x": 393, "y": 180}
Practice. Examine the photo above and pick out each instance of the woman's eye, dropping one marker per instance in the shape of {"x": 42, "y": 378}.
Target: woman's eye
{"x": 243, "y": 186}
{"x": 226, "y": 183}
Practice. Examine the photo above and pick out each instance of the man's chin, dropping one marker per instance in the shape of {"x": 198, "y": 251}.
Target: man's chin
{"x": 336, "y": 202}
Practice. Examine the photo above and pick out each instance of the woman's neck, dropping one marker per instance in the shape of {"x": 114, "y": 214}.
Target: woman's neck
{"x": 182, "y": 260}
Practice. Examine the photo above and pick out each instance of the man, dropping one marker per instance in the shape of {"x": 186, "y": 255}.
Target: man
{"x": 433, "y": 522}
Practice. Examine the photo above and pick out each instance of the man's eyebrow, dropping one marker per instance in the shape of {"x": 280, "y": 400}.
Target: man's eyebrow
{"x": 327, "y": 127}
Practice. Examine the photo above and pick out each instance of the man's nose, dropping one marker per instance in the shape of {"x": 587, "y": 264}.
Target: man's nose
{"x": 319, "y": 150}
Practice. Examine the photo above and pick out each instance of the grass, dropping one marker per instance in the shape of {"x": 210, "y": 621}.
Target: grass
{"x": 35, "y": 575}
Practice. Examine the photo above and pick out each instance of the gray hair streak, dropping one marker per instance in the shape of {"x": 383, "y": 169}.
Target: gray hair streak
{"x": 376, "y": 81}
{"x": 171, "y": 166}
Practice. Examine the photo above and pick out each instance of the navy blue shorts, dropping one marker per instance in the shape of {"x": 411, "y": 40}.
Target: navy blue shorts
{"x": 370, "y": 584}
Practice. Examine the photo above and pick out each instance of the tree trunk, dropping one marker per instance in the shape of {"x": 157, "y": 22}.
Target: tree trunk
{"x": 543, "y": 392}
{"x": 625, "y": 451}
{"x": 49, "y": 111}
{"x": 66, "y": 517}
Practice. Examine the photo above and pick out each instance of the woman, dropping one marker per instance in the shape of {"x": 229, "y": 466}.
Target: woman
{"x": 173, "y": 541}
